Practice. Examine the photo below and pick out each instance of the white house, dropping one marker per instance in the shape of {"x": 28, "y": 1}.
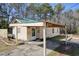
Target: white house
{"x": 27, "y": 29}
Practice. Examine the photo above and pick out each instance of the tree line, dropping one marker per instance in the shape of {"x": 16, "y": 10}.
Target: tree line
{"x": 39, "y": 11}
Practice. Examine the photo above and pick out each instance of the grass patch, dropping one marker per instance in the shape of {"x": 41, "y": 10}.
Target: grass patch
{"x": 55, "y": 53}
{"x": 4, "y": 47}
{"x": 57, "y": 38}
{"x": 59, "y": 52}
{"x": 73, "y": 51}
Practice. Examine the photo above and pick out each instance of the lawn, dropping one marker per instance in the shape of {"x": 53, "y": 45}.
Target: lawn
{"x": 55, "y": 53}
{"x": 59, "y": 51}
{"x": 4, "y": 47}
{"x": 57, "y": 38}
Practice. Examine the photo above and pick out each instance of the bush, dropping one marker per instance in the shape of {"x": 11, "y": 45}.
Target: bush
{"x": 3, "y": 24}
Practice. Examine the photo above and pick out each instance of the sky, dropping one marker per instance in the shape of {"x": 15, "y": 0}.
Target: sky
{"x": 68, "y": 6}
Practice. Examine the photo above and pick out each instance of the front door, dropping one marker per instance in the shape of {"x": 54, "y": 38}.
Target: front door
{"x": 33, "y": 34}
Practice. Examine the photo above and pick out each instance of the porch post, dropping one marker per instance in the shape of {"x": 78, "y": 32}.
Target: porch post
{"x": 16, "y": 35}
{"x": 66, "y": 33}
{"x": 44, "y": 40}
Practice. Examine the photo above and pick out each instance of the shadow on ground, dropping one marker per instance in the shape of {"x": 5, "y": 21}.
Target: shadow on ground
{"x": 71, "y": 49}
{"x": 50, "y": 44}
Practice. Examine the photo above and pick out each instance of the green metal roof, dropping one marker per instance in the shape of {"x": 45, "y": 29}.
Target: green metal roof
{"x": 26, "y": 20}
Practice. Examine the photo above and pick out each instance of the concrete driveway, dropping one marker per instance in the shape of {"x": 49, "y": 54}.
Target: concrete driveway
{"x": 30, "y": 50}
{"x": 24, "y": 50}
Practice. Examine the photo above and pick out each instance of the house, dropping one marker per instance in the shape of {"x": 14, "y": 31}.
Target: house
{"x": 28, "y": 29}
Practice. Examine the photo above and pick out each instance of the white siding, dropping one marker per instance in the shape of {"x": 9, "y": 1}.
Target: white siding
{"x": 49, "y": 32}
{"x": 40, "y": 33}
{"x": 29, "y": 33}
{"x": 26, "y": 33}
{"x": 22, "y": 35}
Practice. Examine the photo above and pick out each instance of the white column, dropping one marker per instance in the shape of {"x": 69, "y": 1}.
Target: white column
{"x": 16, "y": 35}
{"x": 27, "y": 34}
{"x": 66, "y": 33}
{"x": 44, "y": 40}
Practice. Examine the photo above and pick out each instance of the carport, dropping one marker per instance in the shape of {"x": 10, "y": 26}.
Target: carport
{"x": 50, "y": 24}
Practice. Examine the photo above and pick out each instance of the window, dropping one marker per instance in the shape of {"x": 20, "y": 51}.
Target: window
{"x": 33, "y": 32}
{"x": 53, "y": 30}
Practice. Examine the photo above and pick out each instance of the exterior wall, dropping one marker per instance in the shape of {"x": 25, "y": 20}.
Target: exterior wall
{"x": 40, "y": 33}
{"x": 26, "y": 33}
{"x": 22, "y": 33}
{"x": 3, "y": 33}
{"x": 29, "y": 34}
{"x": 49, "y": 32}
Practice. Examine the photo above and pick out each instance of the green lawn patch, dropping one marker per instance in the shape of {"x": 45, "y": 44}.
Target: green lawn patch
{"x": 57, "y": 38}
{"x": 60, "y": 52}
{"x": 55, "y": 53}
